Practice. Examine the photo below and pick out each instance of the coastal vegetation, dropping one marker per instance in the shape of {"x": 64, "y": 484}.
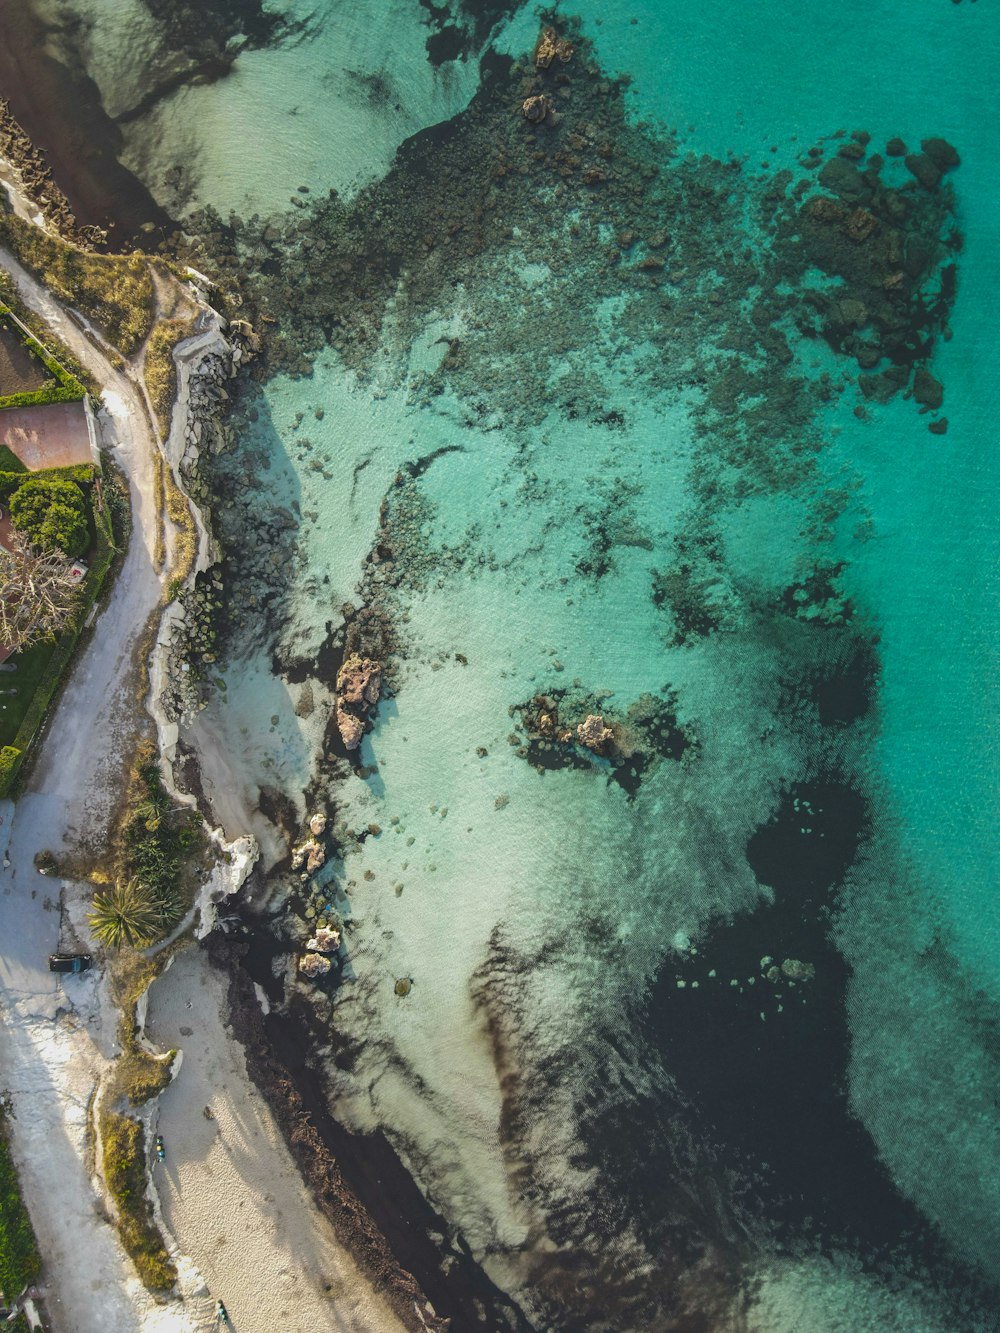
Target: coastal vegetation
{"x": 19, "y": 1258}
{"x": 137, "y": 1076}
{"x": 124, "y": 1145}
{"x": 157, "y": 847}
{"x": 115, "y": 291}
{"x": 160, "y": 370}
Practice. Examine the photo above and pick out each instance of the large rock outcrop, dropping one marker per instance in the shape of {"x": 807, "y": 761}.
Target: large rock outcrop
{"x": 359, "y": 681}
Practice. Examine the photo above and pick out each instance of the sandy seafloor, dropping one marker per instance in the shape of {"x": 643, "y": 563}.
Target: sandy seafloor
{"x": 591, "y": 1078}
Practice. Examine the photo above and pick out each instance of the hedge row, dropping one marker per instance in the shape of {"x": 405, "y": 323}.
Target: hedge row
{"x": 9, "y": 760}
{"x": 66, "y": 384}
{"x": 51, "y": 393}
{"x": 13, "y": 305}
{"x": 81, "y": 473}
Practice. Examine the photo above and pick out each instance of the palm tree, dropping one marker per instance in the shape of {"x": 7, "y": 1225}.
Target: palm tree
{"x": 126, "y": 914}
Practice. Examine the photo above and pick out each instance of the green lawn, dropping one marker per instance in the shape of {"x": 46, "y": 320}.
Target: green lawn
{"x": 9, "y": 462}
{"x": 31, "y": 666}
{"x": 19, "y": 1261}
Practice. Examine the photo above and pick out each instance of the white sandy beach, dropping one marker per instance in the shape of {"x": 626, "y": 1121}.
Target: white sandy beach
{"x": 230, "y": 1192}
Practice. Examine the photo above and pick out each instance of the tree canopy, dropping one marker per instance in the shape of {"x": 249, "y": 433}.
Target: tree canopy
{"x": 52, "y": 514}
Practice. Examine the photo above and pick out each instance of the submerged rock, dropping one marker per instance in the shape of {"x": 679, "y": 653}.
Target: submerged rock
{"x": 317, "y": 825}
{"x": 941, "y": 152}
{"x": 324, "y": 941}
{"x": 927, "y": 390}
{"x": 552, "y": 47}
{"x": 314, "y": 965}
{"x": 535, "y": 109}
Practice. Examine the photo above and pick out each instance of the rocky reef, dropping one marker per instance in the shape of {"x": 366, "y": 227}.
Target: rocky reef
{"x": 572, "y": 728}
{"x": 358, "y": 683}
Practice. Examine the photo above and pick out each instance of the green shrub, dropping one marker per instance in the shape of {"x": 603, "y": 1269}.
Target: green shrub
{"x": 48, "y": 393}
{"x": 10, "y": 758}
{"x": 124, "y": 1144}
{"x": 52, "y": 514}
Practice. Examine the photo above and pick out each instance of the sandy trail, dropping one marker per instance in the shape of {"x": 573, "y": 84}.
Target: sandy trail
{"x": 230, "y": 1192}
{"x": 260, "y": 1238}
{"x": 57, "y": 1037}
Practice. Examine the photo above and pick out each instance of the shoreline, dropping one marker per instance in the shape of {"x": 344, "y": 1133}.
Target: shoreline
{"x": 61, "y": 114}
{"x": 193, "y": 419}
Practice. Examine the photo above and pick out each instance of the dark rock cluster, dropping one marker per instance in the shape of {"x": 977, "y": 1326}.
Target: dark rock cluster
{"x": 35, "y": 176}
{"x": 571, "y": 728}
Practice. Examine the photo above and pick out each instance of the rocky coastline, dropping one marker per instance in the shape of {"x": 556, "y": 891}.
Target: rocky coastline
{"x": 34, "y": 179}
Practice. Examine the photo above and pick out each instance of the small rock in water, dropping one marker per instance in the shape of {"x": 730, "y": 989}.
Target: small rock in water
{"x": 403, "y": 986}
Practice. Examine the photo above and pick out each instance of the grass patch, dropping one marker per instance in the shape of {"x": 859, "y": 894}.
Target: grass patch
{"x": 186, "y": 538}
{"x": 19, "y": 1258}
{"x": 114, "y": 291}
{"x": 160, "y": 369}
{"x": 32, "y": 666}
{"x": 124, "y": 1144}
{"x": 9, "y": 462}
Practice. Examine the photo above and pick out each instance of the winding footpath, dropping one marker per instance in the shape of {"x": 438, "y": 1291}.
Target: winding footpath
{"x": 230, "y": 1192}
{"x": 58, "y": 1035}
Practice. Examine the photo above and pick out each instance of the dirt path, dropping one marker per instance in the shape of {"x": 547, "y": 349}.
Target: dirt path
{"x": 57, "y": 1036}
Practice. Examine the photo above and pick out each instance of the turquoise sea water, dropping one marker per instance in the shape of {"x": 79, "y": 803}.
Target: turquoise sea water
{"x": 594, "y": 1077}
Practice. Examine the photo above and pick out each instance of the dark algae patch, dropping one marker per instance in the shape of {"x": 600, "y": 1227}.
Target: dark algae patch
{"x": 358, "y": 1180}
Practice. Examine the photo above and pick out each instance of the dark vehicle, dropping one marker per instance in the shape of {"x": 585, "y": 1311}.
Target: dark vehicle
{"x": 69, "y": 962}
{"x": 158, "y": 1147}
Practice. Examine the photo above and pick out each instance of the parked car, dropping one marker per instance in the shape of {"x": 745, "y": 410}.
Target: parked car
{"x": 69, "y": 962}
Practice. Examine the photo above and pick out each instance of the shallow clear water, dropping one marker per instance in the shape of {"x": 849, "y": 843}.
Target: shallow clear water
{"x": 595, "y": 1077}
